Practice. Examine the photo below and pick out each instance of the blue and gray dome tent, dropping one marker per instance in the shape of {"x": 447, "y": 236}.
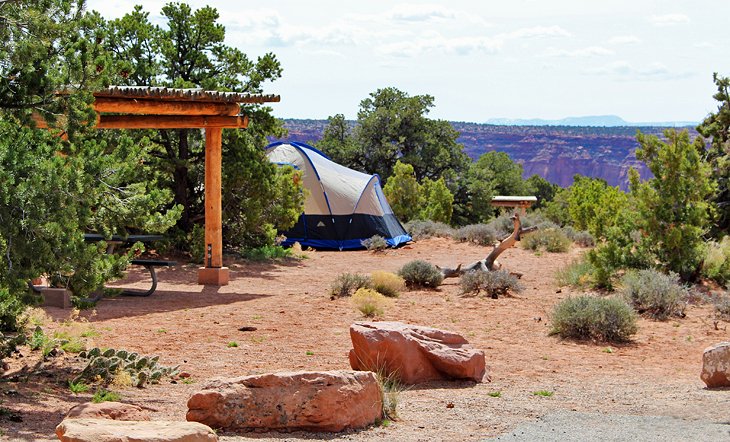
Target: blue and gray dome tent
{"x": 344, "y": 206}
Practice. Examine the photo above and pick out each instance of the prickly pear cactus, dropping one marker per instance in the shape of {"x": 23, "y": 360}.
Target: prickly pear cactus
{"x": 108, "y": 363}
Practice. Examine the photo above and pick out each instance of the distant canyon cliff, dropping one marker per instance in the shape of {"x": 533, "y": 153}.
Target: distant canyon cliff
{"x": 553, "y": 152}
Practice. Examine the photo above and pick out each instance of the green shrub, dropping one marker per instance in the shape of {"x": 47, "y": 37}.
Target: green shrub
{"x": 716, "y": 264}
{"x": 77, "y": 387}
{"x": 493, "y": 284}
{"x": 103, "y": 395}
{"x": 11, "y": 309}
{"x": 420, "y": 273}
{"x": 376, "y": 243}
{"x": 579, "y": 273}
{"x": 590, "y": 317}
{"x": 387, "y": 284}
{"x": 369, "y": 302}
{"x": 654, "y": 293}
{"x": 423, "y": 229}
{"x": 267, "y": 253}
{"x": 481, "y": 234}
{"x": 552, "y": 239}
{"x": 347, "y": 283}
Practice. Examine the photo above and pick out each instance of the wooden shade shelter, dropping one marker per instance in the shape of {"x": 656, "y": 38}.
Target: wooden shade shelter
{"x": 137, "y": 107}
{"x": 521, "y": 202}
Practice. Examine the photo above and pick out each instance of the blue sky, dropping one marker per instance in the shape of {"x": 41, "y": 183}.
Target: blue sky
{"x": 643, "y": 60}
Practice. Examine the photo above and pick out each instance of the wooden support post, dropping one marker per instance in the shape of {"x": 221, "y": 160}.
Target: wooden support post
{"x": 213, "y": 273}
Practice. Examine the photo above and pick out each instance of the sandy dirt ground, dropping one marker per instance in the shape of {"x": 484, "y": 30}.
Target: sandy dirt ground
{"x": 298, "y": 327}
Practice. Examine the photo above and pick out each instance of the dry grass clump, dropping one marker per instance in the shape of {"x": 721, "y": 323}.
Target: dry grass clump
{"x": 717, "y": 262}
{"x": 369, "y": 302}
{"x": 654, "y": 293}
{"x": 347, "y": 283}
{"x": 594, "y": 318}
{"x": 419, "y": 273}
{"x": 387, "y": 284}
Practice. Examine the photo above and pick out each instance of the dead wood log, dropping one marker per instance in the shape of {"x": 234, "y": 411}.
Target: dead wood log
{"x": 490, "y": 263}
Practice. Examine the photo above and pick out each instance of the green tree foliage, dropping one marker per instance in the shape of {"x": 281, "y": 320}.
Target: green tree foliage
{"x": 50, "y": 46}
{"x": 593, "y": 205}
{"x": 393, "y": 126}
{"x": 494, "y": 173}
{"x": 543, "y": 189}
{"x": 272, "y": 196}
{"x": 337, "y": 140}
{"x": 52, "y": 188}
{"x": 673, "y": 205}
{"x": 403, "y": 192}
{"x": 717, "y": 127}
{"x": 189, "y": 52}
{"x": 556, "y": 210}
{"x": 437, "y": 201}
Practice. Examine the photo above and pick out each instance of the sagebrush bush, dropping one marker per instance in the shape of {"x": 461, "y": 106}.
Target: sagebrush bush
{"x": 369, "y": 302}
{"x": 590, "y": 317}
{"x": 654, "y": 293}
{"x": 423, "y": 229}
{"x": 576, "y": 274}
{"x": 495, "y": 283}
{"x": 722, "y": 308}
{"x": 481, "y": 234}
{"x": 716, "y": 264}
{"x": 347, "y": 283}
{"x": 581, "y": 237}
{"x": 420, "y": 273}
{"x": 552, "y": 240}
{"x": 387, "y": 284}
{"x": 375, "y": 243}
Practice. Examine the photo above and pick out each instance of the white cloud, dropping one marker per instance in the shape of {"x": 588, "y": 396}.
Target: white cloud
{"x": 624, "y": 40}
{"x": 537, "y": 31}
{"x": 704, "y": 45}
{"x": 591, "y": 51}
{"x": 626, "y": 71}
{"x": 458, "y": 46}
{"x": 421, "y": 13}
{"x": 668, "y": 19}
{"x": 415, "y": 45}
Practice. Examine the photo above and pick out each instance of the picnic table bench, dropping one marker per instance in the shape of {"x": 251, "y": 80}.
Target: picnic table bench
{"x": 149, "y": 264}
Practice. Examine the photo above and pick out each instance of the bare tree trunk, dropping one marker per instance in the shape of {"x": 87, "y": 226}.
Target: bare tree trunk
{"x": 490, "y": 262}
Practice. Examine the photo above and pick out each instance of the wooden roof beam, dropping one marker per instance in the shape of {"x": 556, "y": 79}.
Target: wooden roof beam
{"x": 171, "y": 122}
{"x": 150, "y": 107}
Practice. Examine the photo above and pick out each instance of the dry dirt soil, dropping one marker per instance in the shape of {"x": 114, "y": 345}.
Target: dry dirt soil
{"x": 298, "y": 327}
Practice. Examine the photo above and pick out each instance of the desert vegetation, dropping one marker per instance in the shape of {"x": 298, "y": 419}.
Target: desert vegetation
{"x": 633, "y": 256}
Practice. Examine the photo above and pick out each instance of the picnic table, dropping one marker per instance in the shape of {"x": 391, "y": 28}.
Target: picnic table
{"x": 149, "y": 264}
{"x": 112, "y": 243}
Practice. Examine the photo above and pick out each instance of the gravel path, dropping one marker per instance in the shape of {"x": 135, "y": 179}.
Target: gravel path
{"x": 568, "y": 426}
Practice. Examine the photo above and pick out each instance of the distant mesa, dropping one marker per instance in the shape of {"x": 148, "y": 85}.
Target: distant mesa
{"x": 600, "y": 147}
{"x": 587, "y": 121}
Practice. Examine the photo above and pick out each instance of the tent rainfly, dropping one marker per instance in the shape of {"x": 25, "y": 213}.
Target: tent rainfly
{"x": 343, "y": 207}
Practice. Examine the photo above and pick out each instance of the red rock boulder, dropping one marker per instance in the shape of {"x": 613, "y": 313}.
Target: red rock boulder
{"x": 109, "y": 410}
{"x": 312, "y": 401}
{"x": 414, "y": 354}
{"x": 716, "y": 365}
{"x": 108, "y": 430}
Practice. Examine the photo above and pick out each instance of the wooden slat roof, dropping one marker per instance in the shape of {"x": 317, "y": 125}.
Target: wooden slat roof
{"x": 173, "y": 94}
